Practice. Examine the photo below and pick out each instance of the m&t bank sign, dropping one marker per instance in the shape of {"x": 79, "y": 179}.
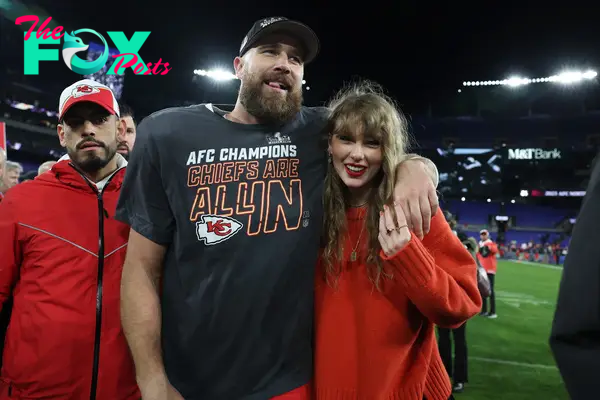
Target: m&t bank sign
{"x": 534, "y": 154}
{"x": 128, "y": 56}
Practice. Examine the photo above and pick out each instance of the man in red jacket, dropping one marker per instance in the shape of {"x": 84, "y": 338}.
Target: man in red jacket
{"x": 487, "y": 258}
{"x": 62, "y": 254}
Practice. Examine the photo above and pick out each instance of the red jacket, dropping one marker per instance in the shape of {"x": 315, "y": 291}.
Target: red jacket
{"x": 61, "y": 256}
{"x": 381, "y": 345}
{"x": 489, "y": 263}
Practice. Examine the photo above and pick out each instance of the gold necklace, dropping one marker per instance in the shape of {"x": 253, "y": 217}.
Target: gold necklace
{"x": 353, "y": 254}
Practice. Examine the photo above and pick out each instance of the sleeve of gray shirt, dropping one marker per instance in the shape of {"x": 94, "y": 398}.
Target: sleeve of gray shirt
{"x": 143, "y": 202}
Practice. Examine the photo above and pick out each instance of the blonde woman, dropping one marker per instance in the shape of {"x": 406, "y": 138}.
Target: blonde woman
{"x": 379, "y": 289}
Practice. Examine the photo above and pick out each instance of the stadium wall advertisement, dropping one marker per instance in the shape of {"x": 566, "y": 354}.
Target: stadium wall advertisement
{"x": 555, "y": 193}
{"x": 532, "y": 154}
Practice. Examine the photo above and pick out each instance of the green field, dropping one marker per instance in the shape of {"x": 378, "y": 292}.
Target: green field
{"x": 509, "y": 357}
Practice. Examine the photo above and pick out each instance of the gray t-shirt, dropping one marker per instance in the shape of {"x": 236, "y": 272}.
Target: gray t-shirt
{"x": 240, "y": 209}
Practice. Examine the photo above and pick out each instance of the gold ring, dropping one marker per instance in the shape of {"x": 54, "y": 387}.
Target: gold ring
{"x": 399, "y": 228}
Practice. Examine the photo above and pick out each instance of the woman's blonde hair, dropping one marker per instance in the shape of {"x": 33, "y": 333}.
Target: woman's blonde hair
{"x": 362, "y": 108}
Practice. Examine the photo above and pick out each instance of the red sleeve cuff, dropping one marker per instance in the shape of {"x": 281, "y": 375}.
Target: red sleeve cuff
{"x": 413, "y": 263}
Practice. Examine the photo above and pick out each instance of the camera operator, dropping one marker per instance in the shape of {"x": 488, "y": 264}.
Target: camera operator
{"x": 487, "y": 258}
{"x": 454, "y": 226}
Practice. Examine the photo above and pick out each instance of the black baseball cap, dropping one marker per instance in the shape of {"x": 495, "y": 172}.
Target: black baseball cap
{"x": 266, "y": 26}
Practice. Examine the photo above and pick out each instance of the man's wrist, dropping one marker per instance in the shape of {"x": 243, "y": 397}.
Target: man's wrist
{"x": 431, "y": 168}
{"x": 156, "y": 379}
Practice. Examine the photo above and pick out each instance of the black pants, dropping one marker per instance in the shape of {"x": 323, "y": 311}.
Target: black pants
{"x": 458, "y": 370}
{"x": 492, "y": 278}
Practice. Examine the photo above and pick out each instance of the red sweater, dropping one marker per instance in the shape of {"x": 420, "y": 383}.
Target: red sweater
{"x": 382, "y": 345}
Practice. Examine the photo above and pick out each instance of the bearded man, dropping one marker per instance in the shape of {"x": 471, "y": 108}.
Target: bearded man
{"x": 225, "y": 209}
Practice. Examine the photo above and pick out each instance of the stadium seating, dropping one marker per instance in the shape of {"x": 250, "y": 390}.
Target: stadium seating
{"x": 528, "y": 215}
{"x": 528, "y": 131}
{"x": 470, "y": 212}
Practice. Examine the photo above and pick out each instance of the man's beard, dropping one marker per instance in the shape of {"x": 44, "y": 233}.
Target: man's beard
{"x": 92, "y": 161}
{"x": 272, "y": 108}
{"x": 123, "y": 149}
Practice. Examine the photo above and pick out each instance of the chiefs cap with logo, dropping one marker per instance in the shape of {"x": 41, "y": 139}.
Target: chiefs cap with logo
{"x": 87, "y": 90}
{"x": 307, "y": 37}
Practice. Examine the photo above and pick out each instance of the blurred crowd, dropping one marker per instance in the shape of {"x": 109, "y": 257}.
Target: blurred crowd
{"x": 11, "y": 172}
{"x": 547, "y": 253}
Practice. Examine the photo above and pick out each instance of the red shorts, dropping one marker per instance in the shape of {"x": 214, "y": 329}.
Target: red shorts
{"x": 302, "y": 393}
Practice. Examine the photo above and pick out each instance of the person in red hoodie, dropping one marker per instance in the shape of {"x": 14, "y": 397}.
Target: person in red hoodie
{"x": 62, "y": 255}
{"x": 380, "y": 289}
{"x": 487, "y": 257}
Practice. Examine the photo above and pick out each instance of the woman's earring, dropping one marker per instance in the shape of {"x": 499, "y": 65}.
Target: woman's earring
{"x": 329, "y": 160}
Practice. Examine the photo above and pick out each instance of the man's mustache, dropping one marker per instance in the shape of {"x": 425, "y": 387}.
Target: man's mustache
{"x": 90, "y": 142}
{"x": 123, "y": 146}
{"x": 281, "y": 78}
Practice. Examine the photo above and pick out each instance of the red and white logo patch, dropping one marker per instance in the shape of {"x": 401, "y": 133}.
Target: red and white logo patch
{"x": 214, "y": 229}
{"x": 84, "y": 90}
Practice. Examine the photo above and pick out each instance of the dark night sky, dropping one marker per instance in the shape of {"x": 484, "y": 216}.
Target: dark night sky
{"x": 420, "y": 51}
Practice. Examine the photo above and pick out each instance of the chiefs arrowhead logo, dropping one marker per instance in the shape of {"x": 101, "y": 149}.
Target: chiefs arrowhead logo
{"x": 214, "y": 229}
{"x": 84, "y": 90}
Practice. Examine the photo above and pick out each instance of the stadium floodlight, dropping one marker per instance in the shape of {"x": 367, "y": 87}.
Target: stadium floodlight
{"x": 216, "y": 74}
{"x": 566, "y": 78}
